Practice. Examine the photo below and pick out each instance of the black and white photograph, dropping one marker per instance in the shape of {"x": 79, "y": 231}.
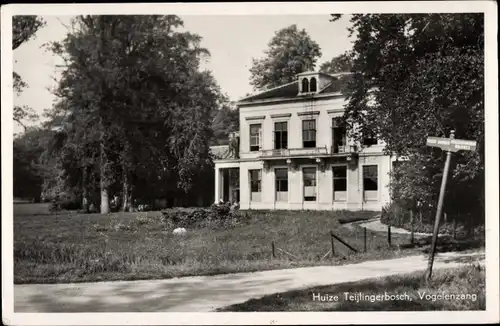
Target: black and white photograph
{"x": 250, "y": 163}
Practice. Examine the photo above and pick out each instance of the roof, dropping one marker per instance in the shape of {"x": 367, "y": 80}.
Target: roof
{"x": 337, "y": 84}
{"x": 221, "y": 152}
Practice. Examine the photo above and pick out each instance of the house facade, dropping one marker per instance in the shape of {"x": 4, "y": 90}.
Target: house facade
{"x": 293, "y": 153}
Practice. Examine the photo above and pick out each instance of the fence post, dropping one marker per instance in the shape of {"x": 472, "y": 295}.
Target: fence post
{"x": 364, "y": 239}
{"x": 274, "y": 249}
{"x": 412, "y": 231}
{"x": 331, "y": 242}
{"x": 389, "y": 234}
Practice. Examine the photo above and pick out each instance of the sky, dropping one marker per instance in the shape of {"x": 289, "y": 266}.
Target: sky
{"x": 232, "y": 40}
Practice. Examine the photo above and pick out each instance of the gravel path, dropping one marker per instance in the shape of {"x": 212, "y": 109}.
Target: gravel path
{"x": 207, "y": 293}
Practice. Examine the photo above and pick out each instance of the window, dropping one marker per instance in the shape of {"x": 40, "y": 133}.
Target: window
{"x": 312, "y": 85}
{"x": 309, "y": 179}
{"x": 338, "y": 136}
{"x": 281, "y": 175}
{"x": 370, "y": 182}
{"x": 339, "y": 182}
{"x": 280, "y": 135}
{"x": 309, "y": 133}
{"x": 255, "y": 137}
{"x": 255, "y": 185}
{"x": 369, "y": 139}
{"x": 305, "y": 85}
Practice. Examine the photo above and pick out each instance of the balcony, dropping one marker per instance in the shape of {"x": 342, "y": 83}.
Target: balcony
{"x": 305, "y": 152}
{"x": 275, "y": 153}
{"x": 343, "y": 150}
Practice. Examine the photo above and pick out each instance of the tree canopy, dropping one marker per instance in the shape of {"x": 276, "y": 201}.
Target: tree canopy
{"x": 290, "y": 52}
{"x": 420, "y": 75}
{"x": 340, "y": 63}
{"x": 24, "y": 28}
{"x": 225, "y": 121}
{"x": 137, "y": 109}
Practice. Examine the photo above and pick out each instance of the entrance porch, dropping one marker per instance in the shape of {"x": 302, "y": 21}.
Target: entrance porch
{"x": 227, "y": 182}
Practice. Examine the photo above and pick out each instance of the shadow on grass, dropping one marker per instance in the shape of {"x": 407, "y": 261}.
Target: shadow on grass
{"x": 446, "y": 244}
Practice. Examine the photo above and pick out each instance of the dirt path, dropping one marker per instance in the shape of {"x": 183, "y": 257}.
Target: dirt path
{"x": 377, "y": 226}
{"x": 207, "y": 293}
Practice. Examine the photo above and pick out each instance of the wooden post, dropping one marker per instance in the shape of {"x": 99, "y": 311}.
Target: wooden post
{"x": 445, "y": 218}
{"x": 439, "y": 210}
{"x": 274, "y": 249}
{"x": 343, "y": 242}
{"x": 389, "y": 235}
{"x": 364, "y": 239}
{"x": 331, "y": 242}
{"x": 412, "y": 231}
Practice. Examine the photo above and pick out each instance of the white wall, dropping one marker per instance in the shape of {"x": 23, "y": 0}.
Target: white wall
{"x": 354, "y": 199}
{"x": 328, "y": 108}
{"x": 323, "y": 123}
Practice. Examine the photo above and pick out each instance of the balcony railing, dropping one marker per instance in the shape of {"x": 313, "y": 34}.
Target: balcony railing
{"x": 343, "y": 149}
{"x": 294, "y": 152}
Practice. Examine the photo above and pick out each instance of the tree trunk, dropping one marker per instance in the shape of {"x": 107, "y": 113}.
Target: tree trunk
{"x": 125, "y": 205}
{"x": 85, "y": 191}
{"x": 130, "y": 199}
{"x": 103, "y": 183}
{"x": 104, "y": 159}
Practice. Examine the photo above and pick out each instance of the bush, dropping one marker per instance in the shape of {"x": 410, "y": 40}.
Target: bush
{"x": 396, "y": 215}
{"x": 70, "y": 204}
{"x": 217, "y": 216}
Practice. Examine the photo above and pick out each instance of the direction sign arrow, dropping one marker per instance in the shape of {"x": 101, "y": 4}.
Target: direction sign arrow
{"x": 443, "y": 143}
{"x": 454, "y": 145}
{"x": 465, "y": 145}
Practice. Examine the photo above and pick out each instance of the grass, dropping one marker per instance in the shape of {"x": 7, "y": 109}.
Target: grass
{"x": 71, "y": 247}
{"x": 468, "y": 281}
{"x": 26, "y": 208}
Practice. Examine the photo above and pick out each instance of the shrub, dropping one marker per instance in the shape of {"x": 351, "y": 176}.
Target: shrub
{"x": 217, "y": 216}
{"x": 70, "y": 204}
{"x": 396, "y": 215}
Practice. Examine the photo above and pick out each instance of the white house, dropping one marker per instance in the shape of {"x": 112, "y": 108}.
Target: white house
{"x": 293, "y": 153}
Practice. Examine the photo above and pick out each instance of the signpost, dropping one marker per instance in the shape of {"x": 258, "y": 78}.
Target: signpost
{"x": 449, "y": 145}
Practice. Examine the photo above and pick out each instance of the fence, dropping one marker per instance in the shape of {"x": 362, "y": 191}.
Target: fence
{"x": 335, "y": 239}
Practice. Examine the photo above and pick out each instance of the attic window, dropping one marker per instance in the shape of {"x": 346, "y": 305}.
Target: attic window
{"x": 305, "y": 85}
{"x": 313, "y": 85}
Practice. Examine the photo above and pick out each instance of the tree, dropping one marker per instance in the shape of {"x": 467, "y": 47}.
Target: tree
{"x": 137, "y": 108}
{"x": 421, "y": 73}
{"x": 24, "y": 28}
{"x": 290, "y": 52}
{"x": 341, "y": 63}
{"x": 28, "y": 168}
{"x": 225, "y": 121}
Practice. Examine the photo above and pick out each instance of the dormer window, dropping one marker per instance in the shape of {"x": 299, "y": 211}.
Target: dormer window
{"x": 310, "y": 82}
{"x": 305, "y": 85}
{"x": 313, "y": 85}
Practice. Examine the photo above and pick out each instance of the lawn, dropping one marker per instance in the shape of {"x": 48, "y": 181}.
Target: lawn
{"x": 26, "y": 208}
{"x": 70, "y": 247}
{"x": 466, "y": 283}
